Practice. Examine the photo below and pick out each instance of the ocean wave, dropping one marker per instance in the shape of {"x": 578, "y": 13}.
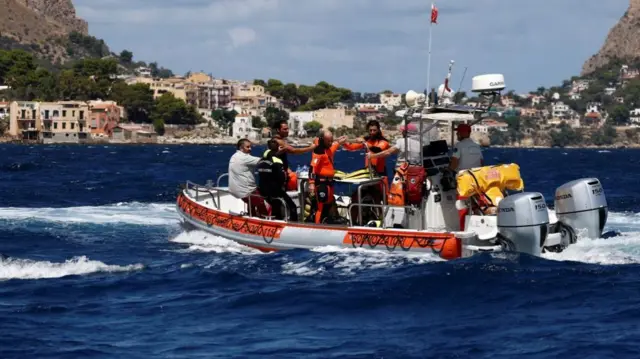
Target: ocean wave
{"x": 149, "y": 214}
{"x": 15, "y": 268}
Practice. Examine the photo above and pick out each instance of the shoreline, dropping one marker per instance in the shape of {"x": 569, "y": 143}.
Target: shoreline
{"x": 231, "y": 142}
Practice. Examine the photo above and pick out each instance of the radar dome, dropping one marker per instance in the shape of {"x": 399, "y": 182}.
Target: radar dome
{"x": 487, "y": 83}
{"x": 412, "y": 98}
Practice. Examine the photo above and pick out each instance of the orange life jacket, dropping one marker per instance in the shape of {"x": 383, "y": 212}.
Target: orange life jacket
{"x": 379, "y": 164}
{"x": 396, "y": 195}
{"x": 322, "y": 162}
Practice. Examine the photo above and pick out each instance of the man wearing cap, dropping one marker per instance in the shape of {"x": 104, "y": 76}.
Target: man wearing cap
{"x": 466, "y": 153}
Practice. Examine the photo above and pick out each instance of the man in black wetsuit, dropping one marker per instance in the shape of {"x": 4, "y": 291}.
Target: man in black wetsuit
{"x": 272, "y": 182}
{"x": 281, "y": 132}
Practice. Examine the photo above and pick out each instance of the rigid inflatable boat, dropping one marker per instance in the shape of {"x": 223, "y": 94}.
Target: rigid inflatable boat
{"x": 478, "y": 210}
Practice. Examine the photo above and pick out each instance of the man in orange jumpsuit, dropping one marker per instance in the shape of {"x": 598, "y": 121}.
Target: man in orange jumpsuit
{"x": 322, "y": 173}
{"x": 374, "y": 143}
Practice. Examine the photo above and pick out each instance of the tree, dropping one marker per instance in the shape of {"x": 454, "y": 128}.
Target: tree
{"x": 620, "y": 115}
{"x": 312, "y": 127}
{"x": 274, "y": 114}
{"x": 136, "y": 99}
{"x": 224, "y": 118}
{"x": 126, "y": 56}
{"x": 4, "y": 125}
{"x": 257, "y": 122}
{"x": 174, "y": 111}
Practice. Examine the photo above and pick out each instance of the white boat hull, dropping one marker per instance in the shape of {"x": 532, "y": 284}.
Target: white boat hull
{"x": 218, "y": 213}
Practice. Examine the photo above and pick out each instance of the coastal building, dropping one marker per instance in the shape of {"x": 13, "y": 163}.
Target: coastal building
{"x": 50, "y": 112}
{"x": 560, "y": 110}
{"x": 104, "y": 116}
{"x": 391, "y": 100}
{"x": 579, "y": 85}
{"x": 143, "y": 71}
{"x": 242, "y": 128}
{"x": 24, "y": 120}
{"x": 377, "y": 106}
{"x": 4, "y": 109}
{"x": 124, "y": 133}
{"x": 487, "y": 125}
{"x": 334, "y": 117}
{"x": 221, "y": 93}
{"x": 297, "y": 120}
{"x": 174, "y": 85}
{"x": 71, "y": 124}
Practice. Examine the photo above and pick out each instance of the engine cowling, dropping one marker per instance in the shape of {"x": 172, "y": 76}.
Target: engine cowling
{"x": 523, "y": 219}
{"x": 582, "y": 205}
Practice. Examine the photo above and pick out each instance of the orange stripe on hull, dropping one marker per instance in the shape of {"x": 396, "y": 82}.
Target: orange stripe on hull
{"x": 446, "y": 245}
{"x": 244, "y": 225}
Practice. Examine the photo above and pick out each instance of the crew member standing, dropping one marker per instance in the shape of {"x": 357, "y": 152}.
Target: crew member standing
{"x": 323, "y": 171}
{"x": 466, "y": 153}
{"x": 272, "y": 182}
{"x": 281, "y": 129}
{"x": 375, "y": 143}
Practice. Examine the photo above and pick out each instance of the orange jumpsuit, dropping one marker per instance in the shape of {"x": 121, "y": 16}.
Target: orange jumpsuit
{"x": 322, "y": 172}
{"x": 379, "y": 165}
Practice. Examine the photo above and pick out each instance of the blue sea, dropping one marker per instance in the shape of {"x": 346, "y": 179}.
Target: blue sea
{"x": 94, "y": 264}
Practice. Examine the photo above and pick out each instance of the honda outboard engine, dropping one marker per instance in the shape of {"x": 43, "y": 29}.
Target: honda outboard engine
{"x": 581, "y": 205}
{"x": 523, "y": 220}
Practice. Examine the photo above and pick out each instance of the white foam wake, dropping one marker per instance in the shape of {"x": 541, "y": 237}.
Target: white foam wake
{"x": 350, "y": 261}
{"x": 200, "y": 241}
{"x": 151, "y": 214}
{"x": 14, "y": 268}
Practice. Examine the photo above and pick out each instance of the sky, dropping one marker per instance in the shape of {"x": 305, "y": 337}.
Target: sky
{"x": 363, "y": 45}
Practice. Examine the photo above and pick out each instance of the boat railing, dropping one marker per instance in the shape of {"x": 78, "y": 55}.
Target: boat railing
{"x": 375, "y": 181}
{"x": 385, "y": 209}
{"x": 199, "y": 189}
{"x": 215, "y": 192}
{"x": 220, "y": 178}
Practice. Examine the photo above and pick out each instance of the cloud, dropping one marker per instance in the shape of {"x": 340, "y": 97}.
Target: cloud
{"x": 366, "y": 45}
{"x": 241, "y": 36}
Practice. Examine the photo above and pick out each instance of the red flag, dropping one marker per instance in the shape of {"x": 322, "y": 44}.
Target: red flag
{"x": 434, "y": 14}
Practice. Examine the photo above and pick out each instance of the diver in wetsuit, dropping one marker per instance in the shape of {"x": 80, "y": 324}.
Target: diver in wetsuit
{"x": 272, "y": 182}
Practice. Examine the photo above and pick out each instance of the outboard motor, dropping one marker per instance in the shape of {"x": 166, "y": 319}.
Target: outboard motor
{"x": 523, "y": 220}
{"x": 581, "y": 205}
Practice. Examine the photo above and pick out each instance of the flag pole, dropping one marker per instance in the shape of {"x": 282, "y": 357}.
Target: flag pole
{"x": 429, "y": 62}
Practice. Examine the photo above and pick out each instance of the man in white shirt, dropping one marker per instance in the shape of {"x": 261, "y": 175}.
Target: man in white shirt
{"x": 242, "y": 183}
{"x": 466, "y": 153}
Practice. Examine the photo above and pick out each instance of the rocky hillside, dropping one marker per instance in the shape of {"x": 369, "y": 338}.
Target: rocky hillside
{"x": 623, "y": 40}
{"x": 42, "y": 27}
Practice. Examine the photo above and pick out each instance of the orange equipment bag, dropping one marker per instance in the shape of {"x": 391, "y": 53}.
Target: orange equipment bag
{"x": 416, "y": 177}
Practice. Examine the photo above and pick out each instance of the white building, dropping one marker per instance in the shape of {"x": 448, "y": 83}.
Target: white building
{"x": 486, "y": 126}
{"x": 634, "y": 116}
{"x": 297, "y": 120}
{"x": 560, "y": 110}
{"x": 376, "y": 106}
{"x": 143, "y": 71}
{"x": 391, "y": 100}
{"x": 242, "y": 128}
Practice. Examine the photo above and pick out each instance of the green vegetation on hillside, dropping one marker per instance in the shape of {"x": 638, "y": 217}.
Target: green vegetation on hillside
{"x": 89, "y": 79}
{"x": 303, "y": 97}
